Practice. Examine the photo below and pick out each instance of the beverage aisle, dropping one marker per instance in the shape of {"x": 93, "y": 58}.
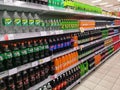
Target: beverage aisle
{"x": 106, "y": 77}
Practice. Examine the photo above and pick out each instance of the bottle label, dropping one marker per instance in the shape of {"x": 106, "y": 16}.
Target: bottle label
{"x": 7, "y": 21}
{"x": 55, "y": 47}
{"x": 46, "y": 47}
{"x": 16, "y": 53}
{"x": 24, "y": 22}
{"x": 31, "y": 22}
{"x": 41, "y": 48}
{"x": 58, "y": 46}
{"x": 1, "y": 57}
{"x": 62, "y": 45}
{"x": 36, "y": 49}
{"x": 30, "y": 50}
{"x": 24, "y": 52}
{"x": 7, "y": 55}
{"x": 17, "y": 22}
{"x": 51, "y": 47}
{"x": 37, "y": 22}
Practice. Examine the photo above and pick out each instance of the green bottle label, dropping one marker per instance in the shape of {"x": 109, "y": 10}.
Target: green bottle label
{"x": 37, "y": 22}
{"x": 1, "y": 57}
{"x": 24, "y": 22}
{"x": 7, "y": 55}
{"x": 31, "y": 22}
{"x": 41, "y": 48}
{"x": 30, "y": 50}
{"x": 23, "y": 52}
{"x": 46, "y": 46}
{"x": 16, "y": 53}
{"x": 7, "y": 21}
{"x": 36, "y": 49}
{"x": 17, "y": 22}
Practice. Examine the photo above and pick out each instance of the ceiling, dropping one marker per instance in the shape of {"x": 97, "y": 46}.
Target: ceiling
{"x": 109, "y": 5}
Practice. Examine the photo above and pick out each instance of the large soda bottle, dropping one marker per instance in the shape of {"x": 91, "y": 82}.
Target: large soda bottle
{"x": 16, "y": 56}
{"x": 25, "y": 28}
{"x": 8, "y": 57}
{"x": 42, "y": 72}
{"x": 46, "y": 48}
{"x": 24, "y": 54}
{"x": 30, "y": 51}
{"x": 17, "y": 23}
{"x": 2, "y": 68}
{"x": 7, "y": 23}
{"x": 10, "y": 83}
{"x": 31, "y": 23}
{"x": 37, "y": 23}
{"x": 51, "y": 46}
{"x": 41, "y": 48}
{"x": 31, "y": 77}
{"x": 52, "y": 69}
{"x": 18, "y": 81}
{"x": 47, "y": 69}
{"x": 36, "y": 50}
{"x": 37, "y": 74}
{"x": 25, "y": 80}
{"x": 2, "y": 85}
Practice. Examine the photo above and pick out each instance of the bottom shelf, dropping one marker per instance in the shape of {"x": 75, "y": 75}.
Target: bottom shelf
{"x": 79, "y": 80}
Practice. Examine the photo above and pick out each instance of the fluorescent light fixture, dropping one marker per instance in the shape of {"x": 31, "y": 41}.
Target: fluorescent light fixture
{"x": 95, "y": 1}
{"x": 109, "y": 5}
{"x": 103, "y": 3}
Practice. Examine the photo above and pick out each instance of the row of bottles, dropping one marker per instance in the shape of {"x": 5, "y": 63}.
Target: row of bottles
{"x": 65, "y": 61}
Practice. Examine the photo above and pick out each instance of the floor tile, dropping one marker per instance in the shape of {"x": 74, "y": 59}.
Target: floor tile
{"x": 94, "y": 79}
{"x": 100, "y": 88}
{"x": 116, "y": 87}
{"x": 110, "y": 79}
{"x": 80, "y": 88}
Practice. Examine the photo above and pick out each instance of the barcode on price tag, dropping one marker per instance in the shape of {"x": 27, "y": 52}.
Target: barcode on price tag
{"x": 12, "y": 71}
{"x": 34, "y": 63}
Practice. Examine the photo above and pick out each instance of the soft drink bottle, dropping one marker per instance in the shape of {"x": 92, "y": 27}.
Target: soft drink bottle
{"x": 52, "y": 69}
{"x": 25, "y": 28}
{"x": 51, "y": 46}
{"x": 49, "y": 87}
{"x": 45, "y": 88}
{"x": 47, "y": 69}
{"x": 31, "y": 23}
{"x": 2, "y": 85}
{"x": 10, "y": 83}
{"x": 2, "y": 67}
{"x": 8, "y": 57}
{"x": 16, "y": 55}
{"x": 7, "y": 23}
{"x": 46, "y": 48}
{"x": 18, "y": 81}
{"x": 37, "y": 74}
{"x": 25, "y": 80}
{"x": 17, "y": 23}
{"x": 42, "y": 72}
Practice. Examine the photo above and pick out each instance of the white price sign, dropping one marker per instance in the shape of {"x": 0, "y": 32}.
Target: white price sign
{"x": 34, "y": 63}
{"x": 12, "y": 71}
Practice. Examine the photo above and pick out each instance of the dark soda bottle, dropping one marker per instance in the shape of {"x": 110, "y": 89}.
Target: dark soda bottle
{"x": 58, "y": 44}
{"x": 53, "y": 84}
{"x": 8, "y": 57}
{"x": 42, "y": 72}
{"x": 36, "y": 51}
{"x": 31, "y": 77}
{"x": 46, "y": 48}
{"x": 41, "y": 48}
{"x": 25, "y": 80}
{"x": 30, "y": 51}
{"x": 52, "y": 68}
{"x": 37, "y": 74}
{"x": 61, "y": 44}
{"x": 2, "y": 68}
{"x": 51, "y": 46}
{"x": 16, "y": 56}
{"x": 2, "y": 85}
{"x": 47, "y": 69}
{"x": 10, "y": 83}
{"x": 18, "y": 81}
{"x": 24, "y": 54}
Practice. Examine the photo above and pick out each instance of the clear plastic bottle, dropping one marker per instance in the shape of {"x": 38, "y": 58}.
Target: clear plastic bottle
{"x": 7, "y": 24}
{"x": 49, "y": 87}
{"x": 25, "y": 28}
{"x": 17, "y": 23}
{"x": 45, "y": 88}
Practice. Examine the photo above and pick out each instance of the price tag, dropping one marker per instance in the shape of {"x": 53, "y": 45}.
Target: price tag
{"x": 41, "y": 61}
{"x": 12, "y": 71}
{"x": 8, "y": 1}
{"x": 57, "y": 32}
{"x": 34, "y": 63}
{"x": 43, "y": 33}
{"x": 107, "y": 26}
{"x": 61, "y": 31}
{"x": 47, "y": 59}
{"x": 11, "y": 36}
{"x": 81, "y": 47}
{"x": 51, "y": 8}
{"x": 82, "y": 29}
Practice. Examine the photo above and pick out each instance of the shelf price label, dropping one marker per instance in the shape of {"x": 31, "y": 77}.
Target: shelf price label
{"x": 34, "y": 63}
{"x": 54, "y": 76}
{"x": 51, "y": 8}
{"x": 12, "y": 71}
{"x": 41, "y": 61}
{"x": 82, "y": 29}
{"x": 81, "y": 47}
{"x": 43, "y": 33}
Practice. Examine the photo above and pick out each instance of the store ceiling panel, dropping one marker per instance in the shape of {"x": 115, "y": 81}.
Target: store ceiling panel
{"x": 109, "y": 5}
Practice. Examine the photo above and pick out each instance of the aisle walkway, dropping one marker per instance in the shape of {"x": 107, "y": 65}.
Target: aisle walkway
{"x": 106, "y": 77}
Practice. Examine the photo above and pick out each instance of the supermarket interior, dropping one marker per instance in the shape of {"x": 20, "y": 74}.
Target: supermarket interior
{"x": 59, "y": 44}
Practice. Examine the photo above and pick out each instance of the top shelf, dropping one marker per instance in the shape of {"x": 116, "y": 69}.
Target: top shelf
{"x": 23, "y": 6}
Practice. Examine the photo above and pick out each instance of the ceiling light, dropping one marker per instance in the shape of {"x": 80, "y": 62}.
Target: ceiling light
{"x": 95, "y": 1}
{"x": 108, "y": 5}
{"x": 103, "y": 3}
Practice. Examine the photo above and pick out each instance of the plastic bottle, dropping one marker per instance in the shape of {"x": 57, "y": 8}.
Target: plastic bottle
{"x": 2, "y": 67}
{"x": 42, "y": 72}
{"x": 45, "y": 88}
{"x": 49, "y": 87}
{"x": 37, "y": 74}
{"x": 41, "y": 48}
{"x": 10, "y": 83}
{"x": 31, "y": 23}
{"x": 7, "y": 24}
{"x": 2, "y": 85}
{"x": 25, "y": 28}
{"x": 17, "y": 23}
{"x": 47, "y": 69}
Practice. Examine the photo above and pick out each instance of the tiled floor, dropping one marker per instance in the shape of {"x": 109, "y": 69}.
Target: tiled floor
{"x": 106, "y": 77}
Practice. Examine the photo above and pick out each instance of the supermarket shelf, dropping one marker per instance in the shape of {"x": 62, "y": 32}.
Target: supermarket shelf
{"x": 79, "y": 80}
{"x": 16, "y": 36}
{"x": 64, "y": 52}
{"x": 35, "y": 87}
{"x": 23, "y": 6}
{"x": 24, "y": 67}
